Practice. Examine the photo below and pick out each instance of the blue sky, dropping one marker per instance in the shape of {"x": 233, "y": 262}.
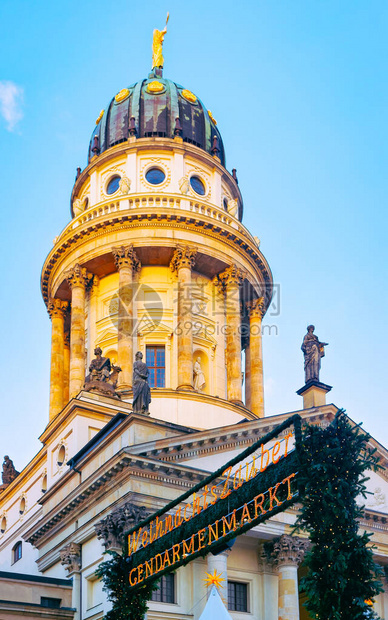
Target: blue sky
{"x": 299, "y": 91}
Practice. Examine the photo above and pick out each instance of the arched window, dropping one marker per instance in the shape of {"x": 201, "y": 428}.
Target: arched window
{"x": 44, "y": 484}
{"x": 3, "y": 525}
{"x": 17, "y": 552}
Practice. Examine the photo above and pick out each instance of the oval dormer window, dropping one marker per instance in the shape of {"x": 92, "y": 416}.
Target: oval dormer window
{"x": 22, "y": 506}
{"x": 155, "y": 176}
{"x": 61, "y": 455}
{"x": 113, "y": 184}
{"x": 198, "y": 185}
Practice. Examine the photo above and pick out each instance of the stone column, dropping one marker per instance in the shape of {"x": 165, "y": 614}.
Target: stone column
{"x": 57, "y": 310}
{"x": 248, "y": 400}
{"x": 270, "y": 588}
{"x": 71, "y": 560}
{"x": 231, "y": 280}
{"x": 286, "y": 553}
{"x": 66, "y": 368}
{"x": 218, "y": 563}
{"x": 92, "y": 317}
{"x": 256, "y": 311}
{"x": 182, "y": 262}
{"x": 77, "y": 278}
{"x": 385, "y": 598}
{"x": 127, "y": 264}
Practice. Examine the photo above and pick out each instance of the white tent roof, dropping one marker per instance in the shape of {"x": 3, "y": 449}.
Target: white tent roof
{"x": 215, "y": 608}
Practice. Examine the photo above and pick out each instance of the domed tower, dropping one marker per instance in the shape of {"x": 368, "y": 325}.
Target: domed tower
{"x": 155, "y": 259}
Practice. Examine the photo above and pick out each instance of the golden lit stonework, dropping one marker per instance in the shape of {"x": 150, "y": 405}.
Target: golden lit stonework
{"x": 212, "y": 117}
{"x": 213, "y": 580}
{"x": 155, "y": 87}
{"x": 189, "y": 96}
{"x": 100, "y": 116}
{"x": 123, "y": 94}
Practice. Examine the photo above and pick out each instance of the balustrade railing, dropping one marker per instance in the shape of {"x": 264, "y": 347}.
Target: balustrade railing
{"x": 148, "y": 202}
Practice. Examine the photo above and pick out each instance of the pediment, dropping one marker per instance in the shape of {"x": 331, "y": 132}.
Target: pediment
{"x": 108, "y": 334}
{"x": 147, "y": 326}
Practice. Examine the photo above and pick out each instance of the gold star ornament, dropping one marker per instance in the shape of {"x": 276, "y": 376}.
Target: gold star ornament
{"x": 214, "y": 580}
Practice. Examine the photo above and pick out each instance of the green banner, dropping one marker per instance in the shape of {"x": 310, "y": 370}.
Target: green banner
{"x": 238, "y": 496}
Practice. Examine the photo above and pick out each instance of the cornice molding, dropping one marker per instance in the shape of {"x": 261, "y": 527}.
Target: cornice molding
{"x": 220, "y": 439}
{"x": 137, "y": 466}
{"x": 161, "y": 217}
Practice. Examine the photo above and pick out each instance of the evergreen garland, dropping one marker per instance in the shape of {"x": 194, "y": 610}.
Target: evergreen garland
{"x": 342, "y": 575}
{"x": 127, "y": 605}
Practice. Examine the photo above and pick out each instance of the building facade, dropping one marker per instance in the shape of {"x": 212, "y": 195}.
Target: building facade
{"x": 155, "y": 259}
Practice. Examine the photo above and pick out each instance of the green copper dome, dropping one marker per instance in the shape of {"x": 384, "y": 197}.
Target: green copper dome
{"x": 156, "y": 107}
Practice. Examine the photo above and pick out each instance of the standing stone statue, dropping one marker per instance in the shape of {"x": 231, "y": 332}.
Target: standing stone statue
{"x": 141, "y": 389}
{"x": 9, "y": 472}
{"x": 199, "y": 377}
{"x": 313, "y": 351}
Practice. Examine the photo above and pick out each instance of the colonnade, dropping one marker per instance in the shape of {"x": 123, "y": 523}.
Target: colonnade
{"x": 278, "y": 565}
{"x": 68, "y": 355}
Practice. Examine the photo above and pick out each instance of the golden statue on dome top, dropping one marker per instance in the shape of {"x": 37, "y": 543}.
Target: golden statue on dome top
{"x": 157, "y": 46}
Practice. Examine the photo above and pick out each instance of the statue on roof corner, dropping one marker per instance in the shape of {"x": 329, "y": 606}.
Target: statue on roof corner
{"x": 313, "y": 351}
{"x": 157, "y": 46}
{"x": 101, "y": 379}
{"x": 9, "y": 472}
{"x": 141, "y": 388}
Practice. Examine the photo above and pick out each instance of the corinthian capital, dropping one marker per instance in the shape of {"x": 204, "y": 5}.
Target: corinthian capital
{"x": 111, "y": 530}
{"x": 57, "y": 307}
{"x": 232, "y": 276}
{"x": 78, "y": 276}
{"x": 256, "y": 307}
{"x": 286, "y": 550}
{"x": 71, "y": 558}
{"x": 125, "y": 256}
{"x": 184, "y": 256}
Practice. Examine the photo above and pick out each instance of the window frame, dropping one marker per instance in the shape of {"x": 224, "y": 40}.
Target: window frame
{"x": 235, "y": 583}
{"x": 155, "y": 368}
{"x": 162, "y": 589}
{"x": 15, "y": 550}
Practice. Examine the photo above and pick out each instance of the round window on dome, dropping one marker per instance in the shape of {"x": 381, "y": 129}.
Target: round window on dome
{"x": 198, "y": 185}
{"x": 113, "y": 184}
{"x": 155, "y": 176}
